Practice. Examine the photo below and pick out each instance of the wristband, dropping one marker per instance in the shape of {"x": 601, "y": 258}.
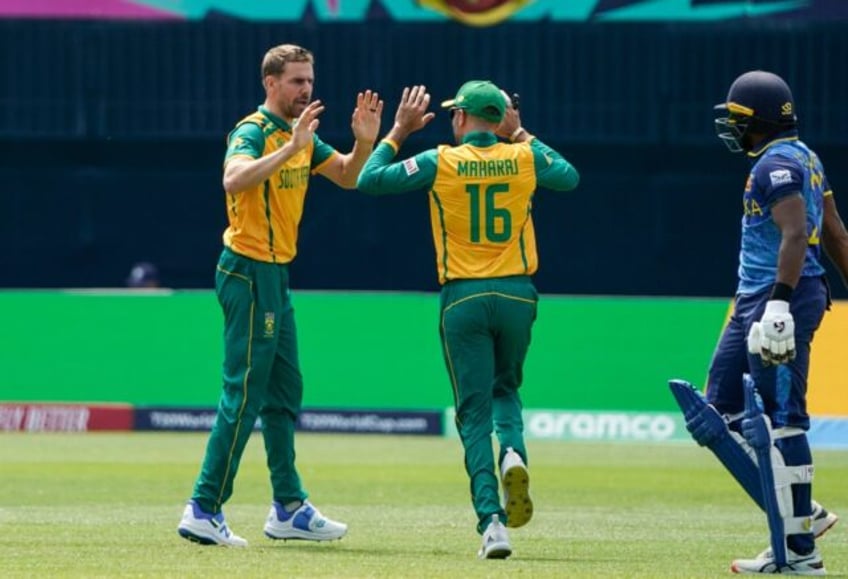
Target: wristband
{"x": 391, "y": 143}
{"x": 781, "y": 291}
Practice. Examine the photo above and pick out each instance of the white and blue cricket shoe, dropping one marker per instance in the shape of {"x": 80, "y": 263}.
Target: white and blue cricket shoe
{"x": 207, "y": 529}
{"x": 306, "y": 523}
{"x": 796, "y": 564}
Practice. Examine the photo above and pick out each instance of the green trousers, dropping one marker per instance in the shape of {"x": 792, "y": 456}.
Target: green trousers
{"x": 261, "y": 379}
{"x": 485, "y": 329}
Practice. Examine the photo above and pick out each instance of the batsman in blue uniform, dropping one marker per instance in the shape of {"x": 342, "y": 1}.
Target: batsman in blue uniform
{"x": 789, "y": 216}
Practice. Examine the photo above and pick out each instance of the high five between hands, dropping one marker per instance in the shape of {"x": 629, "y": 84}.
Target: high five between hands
{"x": 411, "y": 116}
{"x": 365, "y": 121}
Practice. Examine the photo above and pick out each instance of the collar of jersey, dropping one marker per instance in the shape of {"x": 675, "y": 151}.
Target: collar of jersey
{"x": 480, "y": 138}
{"x": 275, "y": 119}
{"x": 780, "y": 138}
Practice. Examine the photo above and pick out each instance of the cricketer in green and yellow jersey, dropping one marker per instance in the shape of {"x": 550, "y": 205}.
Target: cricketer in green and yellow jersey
{"x": 270, "y": 156}
{"x": 263, "y": 222}
{"x": 481, "y": 196}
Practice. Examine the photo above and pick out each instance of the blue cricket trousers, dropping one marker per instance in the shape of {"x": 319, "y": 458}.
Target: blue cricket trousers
{"x": 783, "y": 388}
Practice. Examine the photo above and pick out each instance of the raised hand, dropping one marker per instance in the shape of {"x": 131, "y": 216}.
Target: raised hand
{"x": 365, "y": 121}
{"x": 306, "y": 125}
{"x": 412, "y": 112}
{"x": 511, "y": 121}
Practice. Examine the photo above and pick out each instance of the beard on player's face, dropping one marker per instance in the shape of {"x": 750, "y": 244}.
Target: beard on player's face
{"x": 292, "y": 107}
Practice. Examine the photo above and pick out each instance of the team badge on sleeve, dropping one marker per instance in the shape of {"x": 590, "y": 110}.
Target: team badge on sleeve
{"x": 410, "y": 166}
{"x": 780, "y": 177}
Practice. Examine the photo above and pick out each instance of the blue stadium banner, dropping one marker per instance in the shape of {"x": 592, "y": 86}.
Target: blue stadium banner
{"x": 200, "y": 419}
{"x": 176, "y": 418}
{"x": 371, "y": 422}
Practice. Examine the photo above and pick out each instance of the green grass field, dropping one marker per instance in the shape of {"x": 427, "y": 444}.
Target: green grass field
{"x": 107, "y": 505}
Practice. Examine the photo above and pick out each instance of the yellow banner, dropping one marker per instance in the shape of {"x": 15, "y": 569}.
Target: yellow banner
{"x": 827, "y": 388}
{"x": 827, "y": 384}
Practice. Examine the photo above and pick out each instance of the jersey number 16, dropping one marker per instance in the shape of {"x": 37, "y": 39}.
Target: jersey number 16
{"x": 498, "y": 220}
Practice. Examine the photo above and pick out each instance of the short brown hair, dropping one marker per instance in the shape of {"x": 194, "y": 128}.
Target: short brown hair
{"x": 276, "y": 58}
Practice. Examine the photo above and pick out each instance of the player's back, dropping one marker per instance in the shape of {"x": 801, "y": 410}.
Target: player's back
{"x": 481, "y": 202}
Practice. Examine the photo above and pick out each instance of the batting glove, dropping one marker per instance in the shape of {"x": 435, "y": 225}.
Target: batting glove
{"x": 773, "y": 337}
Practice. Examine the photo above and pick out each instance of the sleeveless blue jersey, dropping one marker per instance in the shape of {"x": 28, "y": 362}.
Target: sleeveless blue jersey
{"x": 787, "y": 167}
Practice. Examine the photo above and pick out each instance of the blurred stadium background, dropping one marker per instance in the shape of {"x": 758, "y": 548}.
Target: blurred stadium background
{"x": 113, "y": 115}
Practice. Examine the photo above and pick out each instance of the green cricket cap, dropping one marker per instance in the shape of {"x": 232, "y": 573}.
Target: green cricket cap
{"x": 480, "y": 98}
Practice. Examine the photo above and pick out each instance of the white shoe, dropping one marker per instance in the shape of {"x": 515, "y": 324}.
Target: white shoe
{"x": 811, "y": 564}
{"x": 305, "y": 523}
{"x": 207, "y": 529}
{"x": 515, "y": 479}
{"x": 495, "y": 541}
{"x": 823, "y": 521}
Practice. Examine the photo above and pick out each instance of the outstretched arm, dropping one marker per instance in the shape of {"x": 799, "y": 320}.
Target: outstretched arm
{"x": 380, "y": 176}
{"x": 835, "y": 237}
{"x": 411, "y": 115}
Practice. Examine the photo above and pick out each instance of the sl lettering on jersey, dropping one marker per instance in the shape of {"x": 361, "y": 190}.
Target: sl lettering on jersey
{"x": 780, "y": 177}
{"x": 410, "y": 166}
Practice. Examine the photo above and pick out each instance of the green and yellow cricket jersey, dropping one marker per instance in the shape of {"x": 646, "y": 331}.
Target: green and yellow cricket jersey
{"x": 263, "y": 221}
{"x": 481, "y": 197}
